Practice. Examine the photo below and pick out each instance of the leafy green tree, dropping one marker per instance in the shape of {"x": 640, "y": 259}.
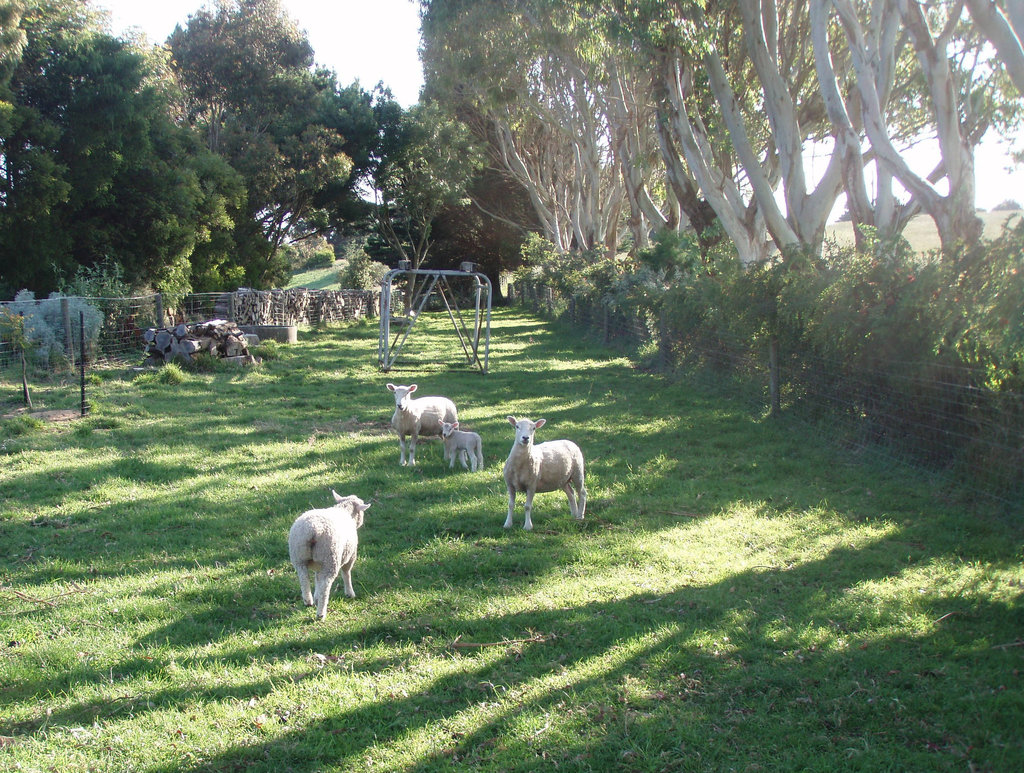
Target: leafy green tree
{"x": 252, "y": 89}
{"x": 93, "y": 167}
{"x": 427, "y": 161}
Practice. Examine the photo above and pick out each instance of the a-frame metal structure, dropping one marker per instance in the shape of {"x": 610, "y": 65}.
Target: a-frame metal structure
{"x": 426, "y": 283}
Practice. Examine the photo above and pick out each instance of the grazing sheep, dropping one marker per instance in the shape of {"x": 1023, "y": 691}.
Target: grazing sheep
{"x": 325, "y": 541}
{"x": 556, "y": 464}
{"x": 462, "y": 444}
{"x": 415, "y": 417}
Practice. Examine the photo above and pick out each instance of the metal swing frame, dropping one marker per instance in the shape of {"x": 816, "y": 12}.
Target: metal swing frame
{"x": 390, "y": 345}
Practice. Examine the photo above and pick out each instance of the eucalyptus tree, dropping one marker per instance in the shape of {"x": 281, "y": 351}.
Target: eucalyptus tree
{"x": 958, "y": 89}
{"x": 541, "y": 104}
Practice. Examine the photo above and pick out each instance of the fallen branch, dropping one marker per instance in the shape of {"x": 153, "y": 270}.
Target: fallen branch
{"x": 49, "y": 602}
{"x": 458, "y": 644}
{"x": 1018, "y": 643}
{"x": 32, "y": 599}
{"x": 682, "y": 515}
{"x": 948, "y": 614}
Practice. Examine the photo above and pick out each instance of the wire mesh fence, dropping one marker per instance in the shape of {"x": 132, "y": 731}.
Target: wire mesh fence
{"x": 114, "y": 327}
{"x": 940, "y": 419}
{"x": 53, "y": 328}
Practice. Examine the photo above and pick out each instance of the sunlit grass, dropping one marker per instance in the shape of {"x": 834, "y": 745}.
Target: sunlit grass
{"x": 740, "y": 595}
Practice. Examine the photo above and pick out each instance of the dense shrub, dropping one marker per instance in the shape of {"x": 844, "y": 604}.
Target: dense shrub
{"x": 361, "y": 272}
{"x": 44, "y": 324}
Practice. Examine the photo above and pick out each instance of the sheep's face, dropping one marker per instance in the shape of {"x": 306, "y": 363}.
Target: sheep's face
{"x": 447, "y": 429}
{"x": 525, "y": 429}
{"x": 402, "y": 394}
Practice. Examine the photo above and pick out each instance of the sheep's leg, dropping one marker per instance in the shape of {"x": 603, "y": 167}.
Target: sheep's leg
{"x": 346, "y": 577}
{"x": 572, "y": 500}
{"x": 582, "y": 504}
{"x": 412, "y": 449}
{"x": 322, "y": 594}
{"x": 463, "y": 456}
{"x": 307, "y": 594}
{"x": 473, "y": 464}
{"x": 528, "y": 507}
{"x": 401, "y": 446}
{"x": 511, "y": 507}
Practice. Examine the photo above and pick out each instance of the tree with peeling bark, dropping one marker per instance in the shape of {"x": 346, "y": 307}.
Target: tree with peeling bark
{"x": 962, "y": 92}
{"x": 545, "y": 110}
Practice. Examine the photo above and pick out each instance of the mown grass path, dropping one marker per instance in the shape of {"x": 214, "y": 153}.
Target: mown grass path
{"x": 741, "y": 596}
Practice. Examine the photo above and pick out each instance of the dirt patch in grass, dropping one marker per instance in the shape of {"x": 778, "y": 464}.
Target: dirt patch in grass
{"x": 66, "y": 414}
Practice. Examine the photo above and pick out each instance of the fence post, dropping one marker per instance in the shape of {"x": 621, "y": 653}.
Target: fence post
{"x": 773, "y": 376}
{"x": 81, "y": 364}
{"x": 69, "y": 340}
{"x": 159, "y": 310}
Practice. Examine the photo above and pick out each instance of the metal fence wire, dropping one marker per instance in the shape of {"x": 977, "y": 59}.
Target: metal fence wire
{"x": 114, "y": 326}
{"x": 939, "y": 419}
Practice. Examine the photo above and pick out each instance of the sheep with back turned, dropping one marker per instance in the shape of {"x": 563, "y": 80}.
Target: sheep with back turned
{"x": 550, "y": 466}
{"x": 415, "y": 417}
{"x": 325, "y": 541}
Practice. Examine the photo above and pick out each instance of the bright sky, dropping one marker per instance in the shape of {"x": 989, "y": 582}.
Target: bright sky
{"x": 364, "y": 40}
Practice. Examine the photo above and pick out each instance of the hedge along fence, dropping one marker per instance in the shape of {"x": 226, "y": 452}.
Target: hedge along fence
{"x": 114, "y": 327}
{"x": 915, "y": 357}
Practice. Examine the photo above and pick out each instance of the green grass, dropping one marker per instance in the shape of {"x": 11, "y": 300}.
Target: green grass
{"x": 921, "y": 232}
{"x": 741, "y": 596}
{"x": 318, "y": 278}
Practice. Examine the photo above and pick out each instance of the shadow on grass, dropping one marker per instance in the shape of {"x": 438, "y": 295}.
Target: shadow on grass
{"x": 688, "y": 678}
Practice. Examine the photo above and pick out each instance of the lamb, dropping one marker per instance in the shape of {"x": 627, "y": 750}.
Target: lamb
{"x": 556, "y": 464}
{"x": 326, "y": 541}
{"x": 463, "y": 444}
{"x": 415, "y": 417}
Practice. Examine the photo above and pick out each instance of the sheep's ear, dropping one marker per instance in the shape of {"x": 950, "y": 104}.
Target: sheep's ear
{"x": 412, "y": 388}
{"x": 539, "y": 423}
{"x": 455, "y": 425}
{"x": 511, "y": 420}
{"x": 391, "y": 387}
{"x": 337, "y": 496}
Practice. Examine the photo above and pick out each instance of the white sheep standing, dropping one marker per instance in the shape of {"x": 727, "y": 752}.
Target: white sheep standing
{"x": 325, "y": 541}
{"x": 464, "y": 444}
{"x": 556, "y": 464}
{"x": 419, "y": 416}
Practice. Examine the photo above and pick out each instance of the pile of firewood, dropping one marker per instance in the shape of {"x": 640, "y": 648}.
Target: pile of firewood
{"x": 296, "y": 306}
{"x": 219, "y": 338}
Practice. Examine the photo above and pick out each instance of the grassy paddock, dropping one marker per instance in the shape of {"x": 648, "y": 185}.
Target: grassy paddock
{"x": 921, "y": 232}
{"x": 740, "y": 596}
